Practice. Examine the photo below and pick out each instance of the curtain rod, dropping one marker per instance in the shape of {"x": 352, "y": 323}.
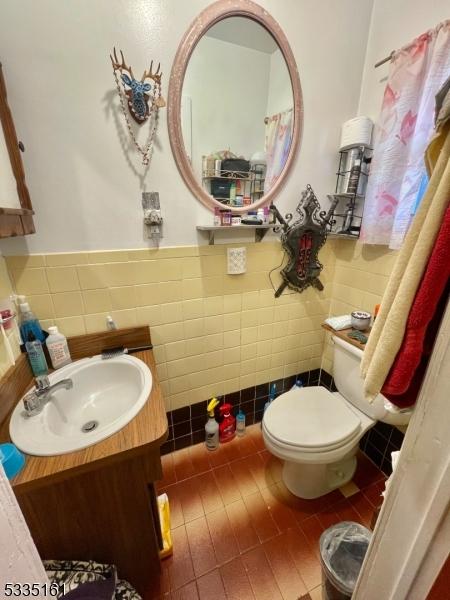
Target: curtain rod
{"x": 384, "y": 60}
{"x": 429, "y": 32}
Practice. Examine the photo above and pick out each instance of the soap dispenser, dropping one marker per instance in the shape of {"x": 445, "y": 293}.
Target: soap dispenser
{"x": 29, "y": 323}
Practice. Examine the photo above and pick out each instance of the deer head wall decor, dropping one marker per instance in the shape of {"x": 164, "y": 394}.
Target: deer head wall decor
{"x": 139, "y": 93}
{"x": 143, "y": 99}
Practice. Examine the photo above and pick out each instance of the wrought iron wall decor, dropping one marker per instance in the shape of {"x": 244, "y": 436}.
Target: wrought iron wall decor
{"x": 143, "y": 99}
{"x": 302, "y": 241}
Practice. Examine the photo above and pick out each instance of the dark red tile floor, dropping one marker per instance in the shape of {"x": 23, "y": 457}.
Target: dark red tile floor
{"x": 239, "y": 533}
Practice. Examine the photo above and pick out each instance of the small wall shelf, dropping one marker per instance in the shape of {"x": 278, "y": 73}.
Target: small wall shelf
{"x": 260, "y": 230}
{"x": 350, "y": 191}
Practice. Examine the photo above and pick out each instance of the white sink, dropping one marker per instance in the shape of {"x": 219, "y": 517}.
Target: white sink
{"x": 105, "y": 396}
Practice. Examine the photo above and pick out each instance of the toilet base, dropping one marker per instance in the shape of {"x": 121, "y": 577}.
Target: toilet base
{"x": 309, "y": 481}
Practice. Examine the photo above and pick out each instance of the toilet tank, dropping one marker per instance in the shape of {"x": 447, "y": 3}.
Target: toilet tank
{"x": 348, "y": 380}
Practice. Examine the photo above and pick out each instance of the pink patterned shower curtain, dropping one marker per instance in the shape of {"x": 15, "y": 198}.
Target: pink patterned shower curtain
{"x": 278, "y": 142}
{"x": 402, "y": 133}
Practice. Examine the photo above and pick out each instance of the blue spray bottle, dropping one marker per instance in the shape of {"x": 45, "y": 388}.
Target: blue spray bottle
{"x": 298, "y": 384}
{"x": 272, "y": 394}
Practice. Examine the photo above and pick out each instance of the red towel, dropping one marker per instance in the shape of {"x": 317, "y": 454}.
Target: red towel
{"x": 403, "y": 383}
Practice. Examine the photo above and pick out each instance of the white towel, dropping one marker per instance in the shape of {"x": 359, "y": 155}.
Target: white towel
{"x": 338, "y": 323}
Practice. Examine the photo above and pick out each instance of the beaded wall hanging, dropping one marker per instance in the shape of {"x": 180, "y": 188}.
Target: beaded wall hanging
{"x": 141, "y": 99}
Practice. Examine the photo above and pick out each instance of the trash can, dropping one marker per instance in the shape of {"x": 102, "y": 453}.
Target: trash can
{"x": 342, "y": 550}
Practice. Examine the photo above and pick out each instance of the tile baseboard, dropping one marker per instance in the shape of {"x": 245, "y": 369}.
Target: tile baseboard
{"x": 379, "y": 442}
{"x": 187, "y": 424}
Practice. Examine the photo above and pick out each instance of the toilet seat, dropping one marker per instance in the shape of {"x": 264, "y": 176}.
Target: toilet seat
{"x": 310, "y": 419}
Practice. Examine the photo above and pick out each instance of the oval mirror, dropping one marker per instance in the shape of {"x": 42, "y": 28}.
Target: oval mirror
{"x": 235, "y": 106}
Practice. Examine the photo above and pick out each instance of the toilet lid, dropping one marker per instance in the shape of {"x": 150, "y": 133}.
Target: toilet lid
{"x": 311, "y": 417}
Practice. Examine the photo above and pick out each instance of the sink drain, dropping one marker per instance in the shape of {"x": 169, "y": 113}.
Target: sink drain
{"x": 89, "y": 426}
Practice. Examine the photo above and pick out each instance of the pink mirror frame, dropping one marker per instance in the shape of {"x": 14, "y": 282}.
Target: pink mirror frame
{"x": 206, "y": 19}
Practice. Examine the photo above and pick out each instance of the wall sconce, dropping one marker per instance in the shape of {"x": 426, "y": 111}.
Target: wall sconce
{"x": 152, "y": 215}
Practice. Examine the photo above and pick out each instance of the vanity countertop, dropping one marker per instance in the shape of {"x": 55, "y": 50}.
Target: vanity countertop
{"x": 146, "y": 432}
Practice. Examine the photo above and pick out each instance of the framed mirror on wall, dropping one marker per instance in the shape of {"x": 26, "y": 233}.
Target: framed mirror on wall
{"x": 16, "y": 211}
{"x": 235, "y": 71}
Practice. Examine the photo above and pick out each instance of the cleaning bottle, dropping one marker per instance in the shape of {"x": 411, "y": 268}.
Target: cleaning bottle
{"x": 29, "y": 323}
{"x": 272, "y": 394}
{"x": 240, "y": 423}
{"x": 57, "y": 348}
{"x": 212, "y": 427}
{"x": 298, "y": 384}
{"x": 36, "y": 355}
{"x": 227, "y": 429}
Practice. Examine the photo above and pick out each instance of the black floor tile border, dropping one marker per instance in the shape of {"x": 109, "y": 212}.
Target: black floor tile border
{"x": 379, "y": 442}
{"x": 187, "y": 424}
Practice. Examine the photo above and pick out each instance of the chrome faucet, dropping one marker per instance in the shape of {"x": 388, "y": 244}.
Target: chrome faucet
{"x": 35, "y": 400}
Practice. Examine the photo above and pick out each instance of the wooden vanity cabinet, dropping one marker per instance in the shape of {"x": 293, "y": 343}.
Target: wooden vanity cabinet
{"x": 108, "y": 515}
{"x": 98, "y": 503}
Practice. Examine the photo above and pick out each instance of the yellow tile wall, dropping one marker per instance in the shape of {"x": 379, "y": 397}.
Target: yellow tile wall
{"x": 360, "y": 275}
{"x": 6, "y": 290}
{"x": 213, "y": 333}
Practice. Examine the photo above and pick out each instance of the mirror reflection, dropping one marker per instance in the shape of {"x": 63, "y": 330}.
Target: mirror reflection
{"x": 237, "y": 111}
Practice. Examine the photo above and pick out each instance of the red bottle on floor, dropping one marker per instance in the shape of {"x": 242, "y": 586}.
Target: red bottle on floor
{"x": 227, "y": 428}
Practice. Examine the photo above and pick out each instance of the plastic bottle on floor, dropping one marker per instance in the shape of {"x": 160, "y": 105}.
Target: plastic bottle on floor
{"x": 227, "y": 428}
{"x": 298, "y": 384}
{"x": 212, "y": 427}
{"x": 272, "y": 394}
{"x": 240, "y": 423}
{"x": 28, "y": 322}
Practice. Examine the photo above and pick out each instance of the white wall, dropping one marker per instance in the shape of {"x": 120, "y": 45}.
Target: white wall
{"x": 393, "y": 25}
{"x": 228, "y": 85}
{"x": 280, "y": 91}
{"x": 56, "y": 59}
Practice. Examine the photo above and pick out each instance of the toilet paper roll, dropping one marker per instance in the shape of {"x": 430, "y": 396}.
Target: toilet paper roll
{"x": 356, "y": 132}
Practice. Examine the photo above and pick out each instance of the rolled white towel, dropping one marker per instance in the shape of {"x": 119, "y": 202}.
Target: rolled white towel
{"x": 338, "y": 323}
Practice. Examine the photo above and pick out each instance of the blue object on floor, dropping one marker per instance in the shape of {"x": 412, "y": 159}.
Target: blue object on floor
{"x": 12, "y": 459}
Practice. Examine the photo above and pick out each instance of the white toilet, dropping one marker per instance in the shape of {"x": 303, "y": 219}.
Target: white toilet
{"x": 316, "y": 432}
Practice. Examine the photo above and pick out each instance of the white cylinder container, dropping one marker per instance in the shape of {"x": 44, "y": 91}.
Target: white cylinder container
{"x": 57, "y": 348}
{"x": 356, "y": 132}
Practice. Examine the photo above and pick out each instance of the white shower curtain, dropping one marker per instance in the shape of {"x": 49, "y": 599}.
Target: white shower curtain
{"x": 398, "y": 175}
{"x": 278, "y": 142}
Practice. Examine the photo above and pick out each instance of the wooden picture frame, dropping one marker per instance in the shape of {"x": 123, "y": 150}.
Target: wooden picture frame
{"x": 14, "y": 221}
{"x": 211, "y": 15}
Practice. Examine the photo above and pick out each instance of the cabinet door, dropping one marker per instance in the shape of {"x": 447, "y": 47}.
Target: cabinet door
{"x": 16, "y": 211}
